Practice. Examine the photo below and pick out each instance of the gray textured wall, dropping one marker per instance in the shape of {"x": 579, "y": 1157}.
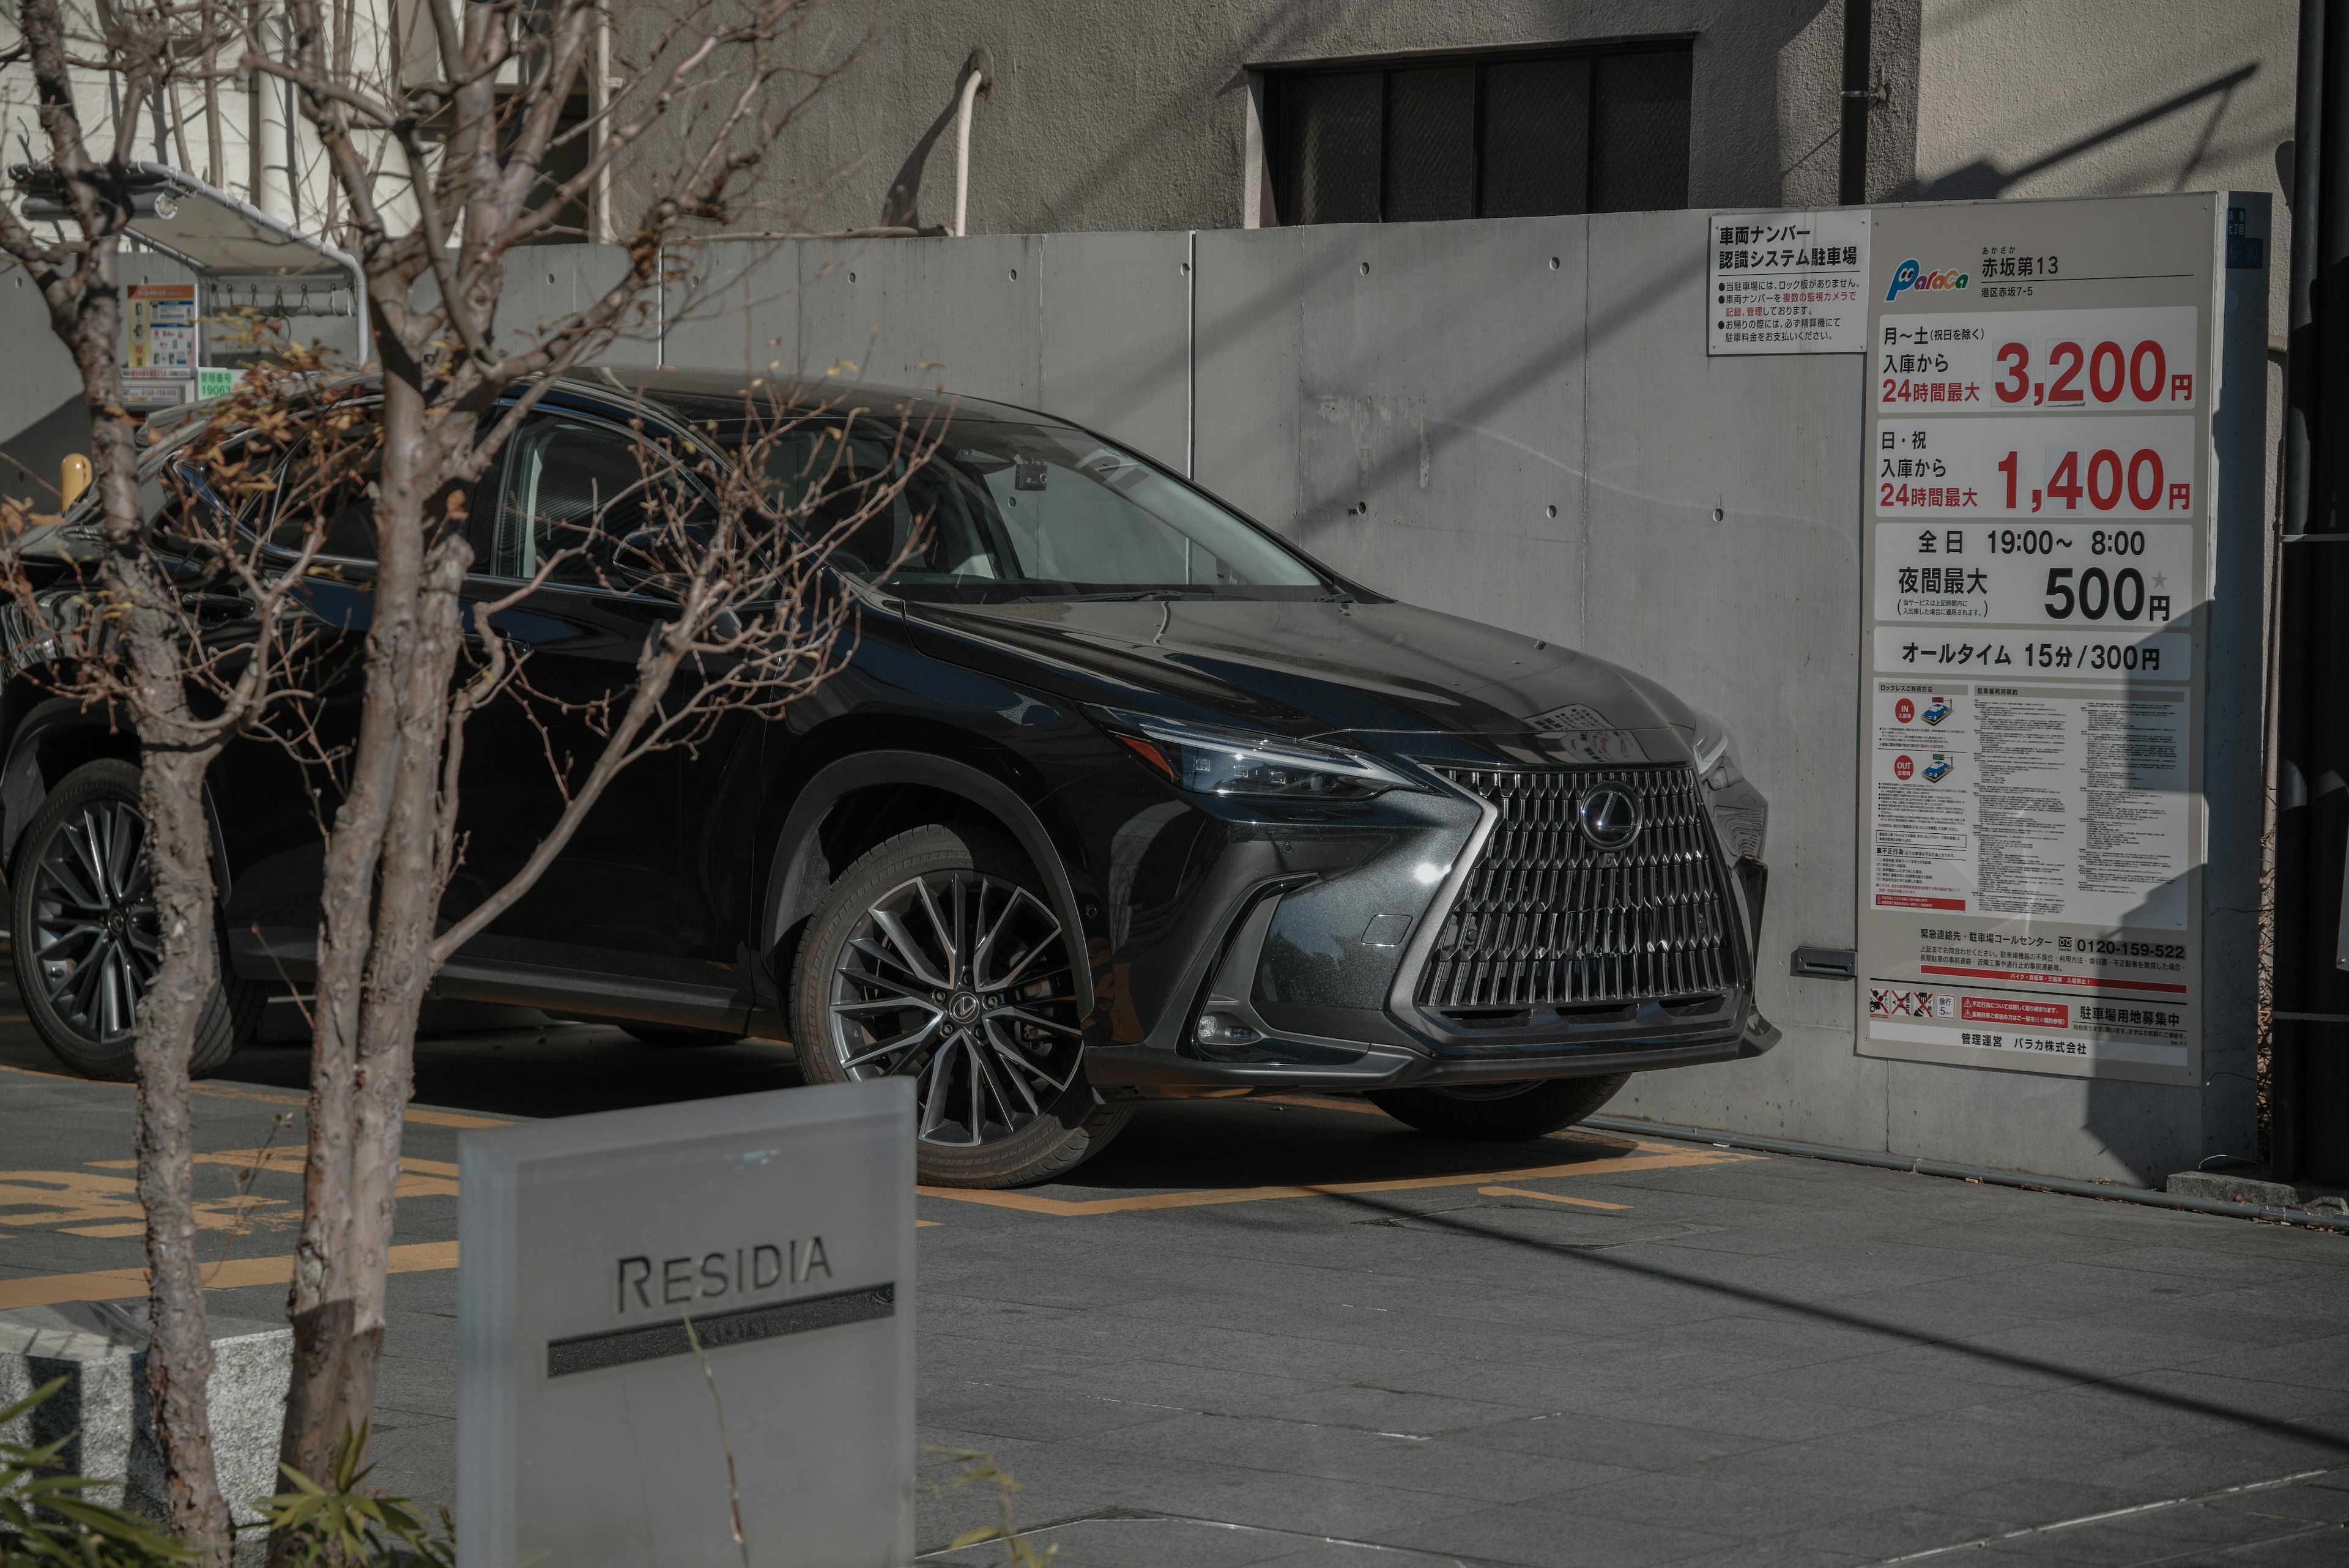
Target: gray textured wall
{"x": 1132, "y": 114}
{"x": 1517, "y": 422}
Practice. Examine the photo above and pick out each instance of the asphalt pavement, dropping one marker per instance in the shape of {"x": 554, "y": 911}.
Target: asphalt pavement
{"x": 1295, "y": 1331}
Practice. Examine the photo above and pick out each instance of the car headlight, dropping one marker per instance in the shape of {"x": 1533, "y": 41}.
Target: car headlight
{"x": 1712, "y": 743}
{"x": 1235, "y": 762}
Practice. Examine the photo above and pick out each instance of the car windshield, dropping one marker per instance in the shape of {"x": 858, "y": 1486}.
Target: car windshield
{"x": 1006, "y": 510}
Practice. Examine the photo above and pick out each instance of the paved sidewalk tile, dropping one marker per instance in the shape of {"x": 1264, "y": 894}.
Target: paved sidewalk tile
{"x": 1746, "y": 1363}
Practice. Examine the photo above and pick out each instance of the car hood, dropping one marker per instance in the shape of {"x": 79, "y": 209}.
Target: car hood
{"x": 1307, "y": 667}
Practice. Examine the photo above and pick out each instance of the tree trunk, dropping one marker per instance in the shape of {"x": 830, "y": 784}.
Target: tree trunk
{"x": 400, "y": 966}
{"x": 179, "y": 1353}
{"x": 171, "y": 771}
{"x": 321, "y": 1308}
{"x": 374, "y": 950}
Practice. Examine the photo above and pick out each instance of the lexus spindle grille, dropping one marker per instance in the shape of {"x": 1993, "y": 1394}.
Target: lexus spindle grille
{"x": 1548, "y": 917}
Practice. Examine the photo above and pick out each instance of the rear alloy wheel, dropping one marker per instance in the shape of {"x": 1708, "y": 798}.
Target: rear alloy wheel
{"x": 936, "y": 957}
{"x": 1500, "y": 1113}
{"x": 85, "y": 941}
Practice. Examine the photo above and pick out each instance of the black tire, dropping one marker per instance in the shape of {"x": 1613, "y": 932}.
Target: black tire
{"x": 1500, "y": 1113}
{"x": 86, "y": 1015}
{"x": 1000, "y": 1067}
{"x": 654, "y": 1034}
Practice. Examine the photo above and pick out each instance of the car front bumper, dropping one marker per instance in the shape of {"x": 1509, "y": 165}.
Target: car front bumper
{"x": 1322, "y": 1062}
{"x": 1316, "y": 979}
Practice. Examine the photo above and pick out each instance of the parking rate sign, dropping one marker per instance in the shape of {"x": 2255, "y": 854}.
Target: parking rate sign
{"x": 621, "y": 1274}
{"x": 2037, "y": 531}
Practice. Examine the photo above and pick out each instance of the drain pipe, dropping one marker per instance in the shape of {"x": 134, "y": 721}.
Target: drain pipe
{"x": 1858, "y": 59}
{"x": 978, "y": 77}
{"x": 2301, "y": 680}
{"x": 1987, "y": 1177}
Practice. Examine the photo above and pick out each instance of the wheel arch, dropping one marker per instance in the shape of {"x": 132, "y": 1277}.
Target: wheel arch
{"x": 885, "y": 791}
{"x": 58, "y": 735}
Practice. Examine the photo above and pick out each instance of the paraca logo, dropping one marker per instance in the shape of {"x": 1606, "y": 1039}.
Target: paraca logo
{"x": 1908, "y": 274}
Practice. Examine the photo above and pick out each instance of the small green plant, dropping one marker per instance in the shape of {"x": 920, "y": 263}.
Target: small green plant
{"x": 346, "y": 1526}
{"x": 45, "y": 1522}
{"x": 978, "y": 1467}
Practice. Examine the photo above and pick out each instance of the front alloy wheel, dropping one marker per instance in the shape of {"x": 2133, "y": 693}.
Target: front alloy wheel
{"x": 935, "y": 958}
{"x": 85, "y": 939}
{"x": 95, "y": 939}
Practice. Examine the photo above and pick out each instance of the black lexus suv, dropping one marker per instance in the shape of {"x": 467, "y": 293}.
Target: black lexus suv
{"x": 1119, "y": 795}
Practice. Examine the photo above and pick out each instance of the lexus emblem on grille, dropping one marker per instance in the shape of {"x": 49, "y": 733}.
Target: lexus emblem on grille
{"x": 1609, "y": 817}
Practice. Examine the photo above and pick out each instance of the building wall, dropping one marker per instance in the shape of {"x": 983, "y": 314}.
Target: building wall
{"x": 1134, "y": 114}
{"x": 2109, "y": 98}
{"x": 1130, "y": 115}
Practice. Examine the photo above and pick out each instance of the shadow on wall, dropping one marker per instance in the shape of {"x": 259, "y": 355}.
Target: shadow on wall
{"x": 1982, "y": 179}
{"x": 2127, "y": 750}
{"x": 2138, "y": 790}
{"x": 1365, "y": 461}
{"x": 29, "y": 459}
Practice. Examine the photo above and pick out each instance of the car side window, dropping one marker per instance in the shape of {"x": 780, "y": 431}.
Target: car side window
{"x": 330, "y": 486}
{"x": 853, "y": 493}
{"x": 575, "y": 492}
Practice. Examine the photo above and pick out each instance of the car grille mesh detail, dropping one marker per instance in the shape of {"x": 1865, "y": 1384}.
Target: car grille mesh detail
{"x": 1546, "y": 917}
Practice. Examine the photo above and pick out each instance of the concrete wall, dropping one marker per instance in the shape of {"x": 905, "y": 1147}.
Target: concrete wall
{"x": 2111, "y": 97}
{"x": 2102, "y": 98}
{"x": 1133, "y": 114}
{"x": 1515, "y": 421}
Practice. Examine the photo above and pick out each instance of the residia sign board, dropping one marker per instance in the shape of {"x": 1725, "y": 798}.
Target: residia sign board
{"x": 2040, "y": 491}
{"x": 780, "y": 1227}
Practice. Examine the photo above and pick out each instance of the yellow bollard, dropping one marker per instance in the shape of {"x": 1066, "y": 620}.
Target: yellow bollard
{"x": 73, "y": 478}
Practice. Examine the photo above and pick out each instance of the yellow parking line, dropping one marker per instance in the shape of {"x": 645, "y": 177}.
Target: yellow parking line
{"x": 453, "y": 1119}
{"x": 218, "y": 1091}
{"x": 1547, "y": 1197}
{"x": 116, "y": 1285}
{"x": 113, "y": 1284}
{"x": 1648, "y": 1157}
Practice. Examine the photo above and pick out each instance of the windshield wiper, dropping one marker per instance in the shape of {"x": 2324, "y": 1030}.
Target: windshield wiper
{"x": 1138, "y": 594}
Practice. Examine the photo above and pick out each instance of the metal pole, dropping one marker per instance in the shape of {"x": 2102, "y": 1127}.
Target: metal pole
{"x": 1191, "y": 356}
{"x": 1858, "y": 51}
{"x": 2300, "y": 305}
{"x": 962, "y": 155}
{"x": 2306, "y": 1128}
{"x": 978, "y": 77}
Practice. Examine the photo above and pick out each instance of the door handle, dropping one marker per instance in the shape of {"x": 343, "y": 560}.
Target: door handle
{"x": 471, "y": 632}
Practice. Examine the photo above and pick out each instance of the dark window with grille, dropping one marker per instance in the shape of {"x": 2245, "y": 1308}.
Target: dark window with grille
{"x": 1504, "y": 137}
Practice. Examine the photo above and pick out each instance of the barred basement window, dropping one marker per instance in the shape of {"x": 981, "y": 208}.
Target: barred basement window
{"x": 1518, "y": 135}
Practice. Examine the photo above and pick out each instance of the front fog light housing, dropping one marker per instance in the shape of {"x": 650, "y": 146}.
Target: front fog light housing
{"x": 1741, "y": 831}
{"x": 1235, "y": 762}
{"x": 1739, "y": 815}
